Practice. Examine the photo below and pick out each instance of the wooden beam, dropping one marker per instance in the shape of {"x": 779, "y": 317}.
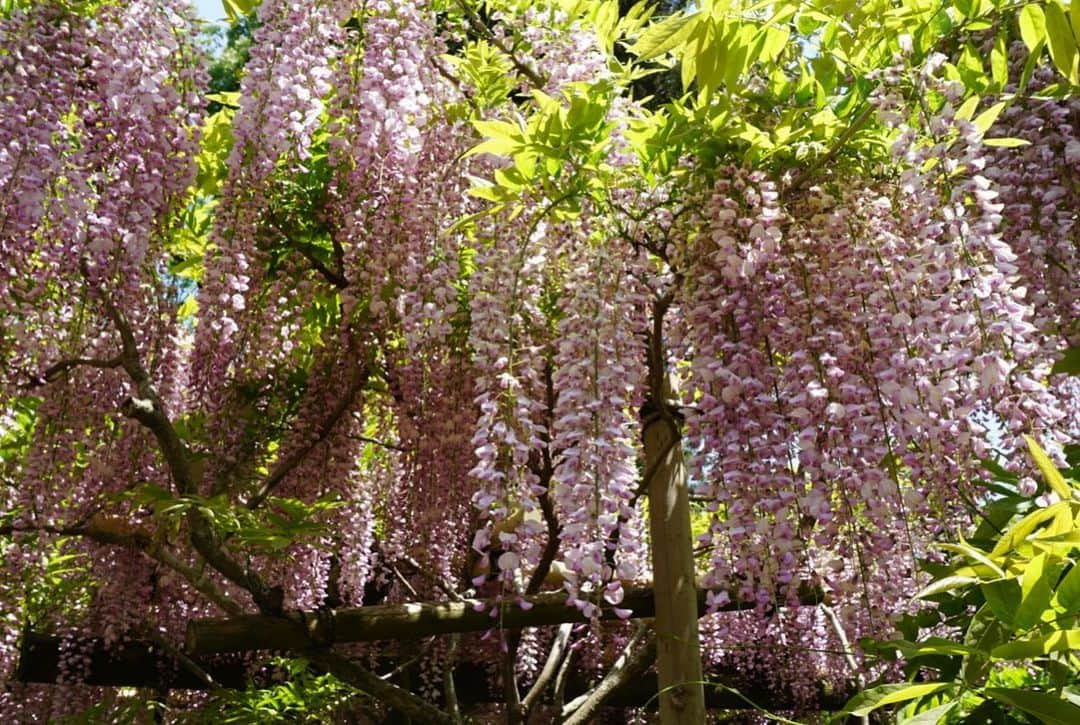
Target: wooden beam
{"x": 131, "y": 664}
{"x": 142, "y": 664}
{"x": 302, "y": 630}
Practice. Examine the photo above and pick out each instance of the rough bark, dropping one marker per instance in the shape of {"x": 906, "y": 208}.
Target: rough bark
{"x": 413, "y": 621}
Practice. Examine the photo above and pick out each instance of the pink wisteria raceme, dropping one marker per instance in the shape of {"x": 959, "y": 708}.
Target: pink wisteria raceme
{"x": 99, "y": 145}
{"x": 840, "y": 344}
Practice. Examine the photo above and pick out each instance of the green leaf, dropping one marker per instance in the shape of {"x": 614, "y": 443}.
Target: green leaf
{"x": 932, "y": 716}
{"x": 1006, "y": 142}
{"x": 869, "y": 700}
{"x": 1068, "y": 591}
{"x": 1032, "y": 26}
{"x": 983, "y": 634}
{"x": 1035, "y": 591}
{"x": 1069, "y": 364}
{"x": 999, "y": 62}
{"x": 986, "y": 119}
{"x": 1023, "y": 528}
{"x": 946, "y": 584}
{"x": 1051, "y": 709}
{"x": 664, "y": 36}
{"x": 1062, "y": 43}
{"x": 966, "y": 549}
{"x": 1065, "y": 640}
{"x": 1003, "y": 596}
{"x": 1074, "y": 18}
{"x": 1049, "y": 471}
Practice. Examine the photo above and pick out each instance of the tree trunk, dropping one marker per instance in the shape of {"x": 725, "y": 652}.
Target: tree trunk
{"x": 682, "y": 694}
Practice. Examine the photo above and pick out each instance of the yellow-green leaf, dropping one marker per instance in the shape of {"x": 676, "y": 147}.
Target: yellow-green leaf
{"x": 930, "y": 717}
{"x": 776, "y": 40}
{"x": 1065, "y": 640}
{"x": 1023, "y": 528}
{"x": 999, "y": 62}
{"x": 1048, "y": 708}
{"x": 967, "y": 108}
{"x": 1050, "y": 472}
{"x": 986, "y": 119}
{"x": 189, "y": 308}
{"x": 965, "y": 549}
{"x": 1035, "y": 591}
{"x": 1030, "y": 64}
{"x": 1062, "y": 43}
{"x": 1007, "y": 142}
{"x": 946, "y": 584}
{"x": 498, "y": 129}
{"x": 501, "y": 146}
{"x": 607, "y": 17}
{"x": 869, "y": 700}
{"x": 1032, "y": 26}
{"x": 664, "y": 36}
{"x": 1068, "y": 592}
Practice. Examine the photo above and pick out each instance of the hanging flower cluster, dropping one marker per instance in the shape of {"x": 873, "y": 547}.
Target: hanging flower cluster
{"x": 839, "y": 345}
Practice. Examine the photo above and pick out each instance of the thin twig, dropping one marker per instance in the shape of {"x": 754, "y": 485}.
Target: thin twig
{"x": 551, "y": 668}
{"x": 478, "y": 26}
{"x": 807, "y": 171}
{"x": 286, "y": 465}
{"x": 396, "y": 697}
{"x": 53, "y": 372}
{"x": 449, "y": 686}
{"x": 334, "y": 277}
{"x": 178, "y": 655}
{"x": 849, "y": 654}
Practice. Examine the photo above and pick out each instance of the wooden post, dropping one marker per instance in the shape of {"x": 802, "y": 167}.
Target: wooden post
{"x": 682, "y": 694}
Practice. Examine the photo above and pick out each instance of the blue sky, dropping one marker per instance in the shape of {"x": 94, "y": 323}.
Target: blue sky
{"x": 209, "y": 9}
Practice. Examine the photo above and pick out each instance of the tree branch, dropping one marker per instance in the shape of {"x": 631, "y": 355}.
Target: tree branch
{"x": 53, "y": 372}
{"x": 449, "y": 686}
{"x": 479, "y": 27}
{"x": 396, "y": 697}
{"x": 112, "y": 530}
{"x": 632, "y": 664}
{"x": 148, "y": 408}
{"x": 286, "y": 465}
{"x": 545, "y": 471}
{"x": 807, "y": 171}
{"x": 515, "y": 714}
{"x": 335, "y": 277}
{"x": 117, "y": 531}
{"x": 551, "y": 667}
